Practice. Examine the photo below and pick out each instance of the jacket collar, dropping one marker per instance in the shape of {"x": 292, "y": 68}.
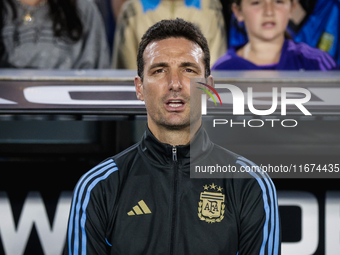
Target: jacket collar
{"x": 162, "y": 153}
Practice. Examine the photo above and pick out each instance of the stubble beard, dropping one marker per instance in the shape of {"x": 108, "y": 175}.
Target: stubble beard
{"x": 169, "y": 124}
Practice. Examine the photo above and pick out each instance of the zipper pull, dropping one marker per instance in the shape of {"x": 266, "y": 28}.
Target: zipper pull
{"x": 174, "y": 153}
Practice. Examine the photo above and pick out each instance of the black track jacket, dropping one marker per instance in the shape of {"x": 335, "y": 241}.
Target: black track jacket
{"x": 143, "y": 201}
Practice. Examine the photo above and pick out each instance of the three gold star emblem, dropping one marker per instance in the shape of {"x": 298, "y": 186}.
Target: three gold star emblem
{"x": 212, "y": 186}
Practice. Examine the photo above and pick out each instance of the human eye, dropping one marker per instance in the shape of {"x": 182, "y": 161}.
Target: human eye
{"x": 280, "y": 1}
{"x": 157, "y": 71}
{"x": 189, "y": 70}
{"x": 255, "y": 2}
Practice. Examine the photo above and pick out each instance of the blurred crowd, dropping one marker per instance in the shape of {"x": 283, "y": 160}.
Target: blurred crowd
{"x": 103, "y": 34}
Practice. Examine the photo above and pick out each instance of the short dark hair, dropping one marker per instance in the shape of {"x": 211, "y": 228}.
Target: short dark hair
{"x": 176, "y": 28}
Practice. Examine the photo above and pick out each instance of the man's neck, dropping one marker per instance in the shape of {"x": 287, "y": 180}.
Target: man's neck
{"x": 31, "y": 2}
{"x": 173, "y": 136}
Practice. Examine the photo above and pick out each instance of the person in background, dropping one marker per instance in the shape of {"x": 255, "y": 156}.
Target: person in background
{"x": 314, "y": 22}
{"x": 137, "y": 16}
{"x": 106, "y": 10}
{"x": 52, "y": 34}
{"x": 320, "y": 27}
{"x": 116, "y": 7}
{"x": 269, "y": 46}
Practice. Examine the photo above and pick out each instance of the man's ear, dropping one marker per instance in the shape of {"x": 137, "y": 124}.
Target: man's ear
{"x": 210, "y": 81}
{"x": 139, "y": 88}
{"x": 237, "y": 12}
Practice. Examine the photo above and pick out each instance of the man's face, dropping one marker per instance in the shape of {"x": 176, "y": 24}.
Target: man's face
{"x": 168, "y": 66}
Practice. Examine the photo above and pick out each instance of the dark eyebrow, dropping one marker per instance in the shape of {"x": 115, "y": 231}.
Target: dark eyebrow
{"x": 190, "y": 64}
{"x": 156, "y": 65}
{"x": 184, "y": 64}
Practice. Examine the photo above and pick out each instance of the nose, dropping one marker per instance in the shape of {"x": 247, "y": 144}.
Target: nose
{"x": 175, "y": 81}
{"x": 268, "y": 8}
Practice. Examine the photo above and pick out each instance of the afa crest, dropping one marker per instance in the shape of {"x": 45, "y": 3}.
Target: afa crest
{"x": 211, "y": 205}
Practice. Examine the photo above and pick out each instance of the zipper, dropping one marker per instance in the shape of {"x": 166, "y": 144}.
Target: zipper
{"x": 174, "y": 153}
{"x": 174, "y": 200}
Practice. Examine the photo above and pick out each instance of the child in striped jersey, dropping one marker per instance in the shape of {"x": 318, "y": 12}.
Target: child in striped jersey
{"x": 269, "y": 48}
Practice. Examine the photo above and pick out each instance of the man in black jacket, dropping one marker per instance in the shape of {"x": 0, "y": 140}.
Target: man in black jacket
{"x": 143, "y": 201}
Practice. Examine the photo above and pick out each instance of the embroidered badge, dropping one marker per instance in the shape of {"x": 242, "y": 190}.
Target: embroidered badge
{"x": 211, "y": 205}
{"x": 326, "y": 42}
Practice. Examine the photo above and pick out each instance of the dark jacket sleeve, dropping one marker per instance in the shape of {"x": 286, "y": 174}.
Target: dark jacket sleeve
{"x": 259, "y": 216}
{"x": 86, "y": 233}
